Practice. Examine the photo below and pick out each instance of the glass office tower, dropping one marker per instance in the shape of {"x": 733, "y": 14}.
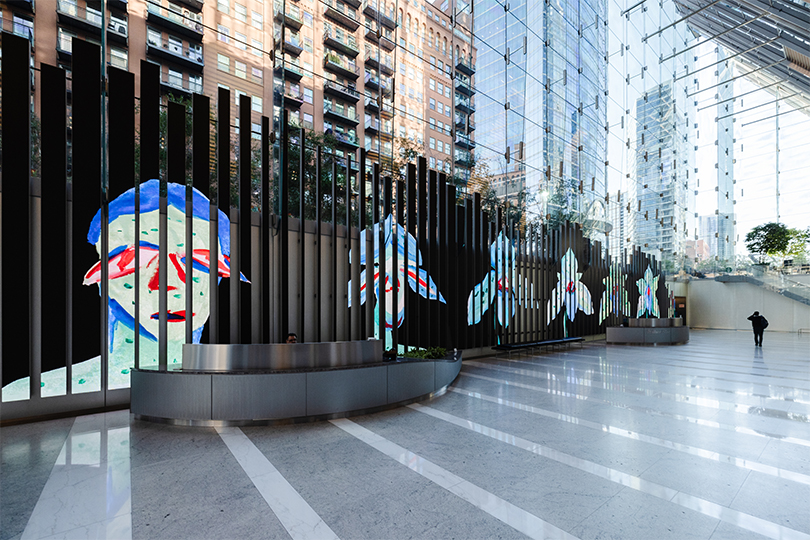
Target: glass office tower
{"x": 541, "y": 79}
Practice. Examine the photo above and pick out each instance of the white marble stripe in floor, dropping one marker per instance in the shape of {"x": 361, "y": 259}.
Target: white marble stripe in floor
{"x": 577, "y": 360}
{"x": 594, "y": 379}
{"x": 629, "y": 434}
{"x": 517, "y": 518}
{"x": 294, "y": 513}
{"x": 608, "y": 382}
{"x": 647, "y": 410}
{"x": 87, "y": 495}
{"x": 708, "y": 508}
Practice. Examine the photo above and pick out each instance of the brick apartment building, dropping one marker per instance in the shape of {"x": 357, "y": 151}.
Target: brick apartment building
{"x": 363, "y": 70}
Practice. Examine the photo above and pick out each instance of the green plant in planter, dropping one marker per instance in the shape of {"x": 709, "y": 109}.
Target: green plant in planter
{"x": 431, "y": 353}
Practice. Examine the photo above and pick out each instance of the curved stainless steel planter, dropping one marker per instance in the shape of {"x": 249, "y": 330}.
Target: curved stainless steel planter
{"x": 260, "y": 398}
{"x": 649, "y": 335}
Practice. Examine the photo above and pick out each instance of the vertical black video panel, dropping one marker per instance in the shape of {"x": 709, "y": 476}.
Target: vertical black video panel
{"x": 16, "y": 125}
{"x": 54, "y": 215}
{"x": 245, "y": 322}
{"x": 223, "y": 325}
{"x": 86, "y": 189}
{"x": 302, "y": 229}
{"x": 200, "y": 178}
{"x": 455, "y": 294}
{"x": 318, "y": 243}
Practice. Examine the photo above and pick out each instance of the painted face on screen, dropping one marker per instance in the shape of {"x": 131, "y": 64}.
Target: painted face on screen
{"x": 122, "y": 286}
{"x": 122, "y": 269}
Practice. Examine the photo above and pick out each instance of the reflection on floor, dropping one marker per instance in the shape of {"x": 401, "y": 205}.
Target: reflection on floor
{"x": 705, "y": 440}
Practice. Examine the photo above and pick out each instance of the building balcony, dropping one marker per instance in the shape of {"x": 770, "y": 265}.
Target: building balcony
{"x": 338, "y": 90}
{"x": 341, "y": 67}
{"x": 340, "y": 160}
{"x": 354, "y": 3}
{"x": 371, "y": 104}
{"x": 121, "y": 5}
{"x": 465, "y": 105}
{"x": 380, "y": 36}
{"x": 464, "y": 87}
{"x": 372, "y": 125}
{"x": 343, "y": 44}
{"x": 291, "y": 45}
{"x": 387, "y": 110}
{"x": 464, "y": 141}
{"x": 288, "y": 98}
{"x": 196, "y": 5}
{"x": 341, "y": 14}
{"x": 178, "y": 86}
{"x": 291, "y": 17}
{"x": 371, "y": 81}
{"x": 376, "y": 127}
{"x": 464, "y": 159}
{"x": 463, "y": 124}
{"x": 89, "y": 20}
{"x": 27, "y": 5}
{"x": 465, "y": 65}
{"x": 340, "y": 113}
{"x": 290, "y": 71}
{"x": 379, "y": 62}
{"x": 190, "y": 59}
{"x": 174, "y": 21}
{"x": 370, "y": 8}
{"x": 347, "y": 140}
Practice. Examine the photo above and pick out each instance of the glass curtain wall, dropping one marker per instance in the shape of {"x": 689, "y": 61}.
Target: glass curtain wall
{"x": 542, "y": 78}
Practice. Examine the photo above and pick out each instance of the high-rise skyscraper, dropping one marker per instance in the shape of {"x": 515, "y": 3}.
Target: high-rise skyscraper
{"x": 660, "y": 174}
{"x": 541, "y": 111}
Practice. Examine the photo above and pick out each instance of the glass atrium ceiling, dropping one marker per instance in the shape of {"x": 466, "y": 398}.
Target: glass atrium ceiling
{"x": 770, "y": 39}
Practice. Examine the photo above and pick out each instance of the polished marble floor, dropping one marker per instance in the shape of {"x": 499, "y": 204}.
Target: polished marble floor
{"x": 709, "y": 440}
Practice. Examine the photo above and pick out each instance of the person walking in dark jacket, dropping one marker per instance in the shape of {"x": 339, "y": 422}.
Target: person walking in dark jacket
{"x": 758, "y": 323}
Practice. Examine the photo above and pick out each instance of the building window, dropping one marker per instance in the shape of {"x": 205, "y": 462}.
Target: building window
{"x": 153, "y": 37}
{"x": 23, "y": 27}
{"x": 432, "y": 104}
{"x": 240, "y": 69}
{"x": 432, "y": 162}
{"x": 432, "y": 84}
{"x": 175, "y": 78}
{"x": 240, "y": 40}
{"x": 175, "y": 45}
{"x": 255, "y": 131}
{"x": 257, "y": 47}
{"x": 241, "y": 12}
{"x": 432, "y": 123}
{"x": 308, "y": 44}
{"x": 440, "y": 107}
{"x": 195, "y": 83}
{"x": 65, "y": 42}
{"x": 432, "y": 143}
{"x": 257, "y": 104}
{"x": 257, "y": 20}
{"x": 223, "y": 63}
{"x": 223, "y": 6}
{"x": 118, "y": 58}
{"x": 440, "y": 146}
{"x": 257, "y": 75}
{"x": 224, "y": 33}
{"x": 308, "y": 96}
{"x": 307, "y": 123}
{"x": 195, "y": 52}
{"x": 307, "y": 19}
